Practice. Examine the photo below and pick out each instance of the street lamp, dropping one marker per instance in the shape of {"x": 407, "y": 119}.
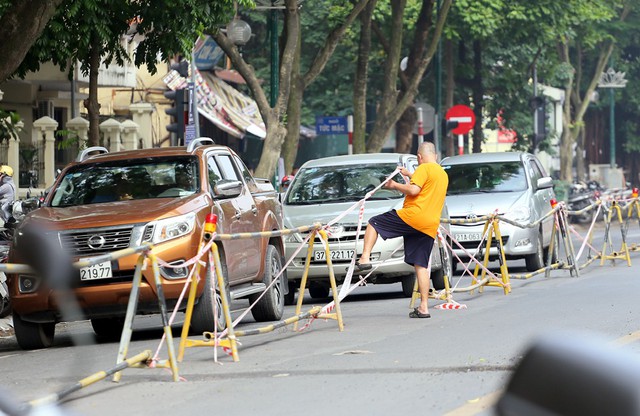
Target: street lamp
{"x": 239, "y": 31}
{"x": 612, "y": 79}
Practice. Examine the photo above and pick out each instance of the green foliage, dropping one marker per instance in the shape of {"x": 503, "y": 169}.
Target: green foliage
{"x": 70, "y": 139}
{"x": 10, "y": 125}
{"x": 168, "y": 27}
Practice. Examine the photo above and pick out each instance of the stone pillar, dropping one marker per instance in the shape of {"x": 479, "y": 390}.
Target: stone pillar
{"x": 46, "y": 127}
{"x": 81, "y": 127}
{"x": 141, "y": 113}
{"x": 111, "y": 129}
{"x": 13, "y": 158}
{"x": 130, "y": 135}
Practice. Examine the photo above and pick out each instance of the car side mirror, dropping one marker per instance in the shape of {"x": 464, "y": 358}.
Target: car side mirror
{"x": 227, "y": 188}
{"x": 544, "y": 183}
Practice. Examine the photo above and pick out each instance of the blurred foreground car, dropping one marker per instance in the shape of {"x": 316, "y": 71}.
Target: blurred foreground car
{"x": 325, "y": 188}
{"x": 512, "y": 183}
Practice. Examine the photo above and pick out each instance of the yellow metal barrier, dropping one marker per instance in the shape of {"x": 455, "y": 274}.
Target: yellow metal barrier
{"x": 143, "y": 357}
{"x": 623, "y": 253}
{"x": 632, "y": 208}
{"x": 125, "y": 338}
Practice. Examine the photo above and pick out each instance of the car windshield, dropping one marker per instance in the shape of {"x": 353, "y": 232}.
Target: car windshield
{"x": 341, "y": 184}
{"x": 485, "y": 177}
{"x": 127, "y": 180}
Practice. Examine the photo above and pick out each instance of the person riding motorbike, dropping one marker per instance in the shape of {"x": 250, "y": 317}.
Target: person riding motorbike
{"x": 7, "y": 194}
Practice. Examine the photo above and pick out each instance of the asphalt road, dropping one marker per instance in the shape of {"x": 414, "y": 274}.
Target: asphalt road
{"x": 455, "y": 363}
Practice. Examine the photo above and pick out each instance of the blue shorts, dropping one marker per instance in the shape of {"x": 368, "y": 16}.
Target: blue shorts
{"x": 417, "y": 245}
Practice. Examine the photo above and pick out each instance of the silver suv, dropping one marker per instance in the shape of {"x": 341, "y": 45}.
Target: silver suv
{"x": 325, "y": 188}
{"x": 512, "y": 183}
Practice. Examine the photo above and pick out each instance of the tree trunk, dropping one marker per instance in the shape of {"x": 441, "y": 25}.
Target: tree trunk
{"x": 360, "y": 80}
{"x": 271, "y": 149}
{"x": 292, "y": 139}
{"x": 478, "y": 97}
{"x": 580, "y": 165}
{"x": 448, "y": 100}
{"x": 20, "y": 26}
{"x": 388, "y": 101}
{"x": 92, "y": 104}
{"x": 404, "y": 130}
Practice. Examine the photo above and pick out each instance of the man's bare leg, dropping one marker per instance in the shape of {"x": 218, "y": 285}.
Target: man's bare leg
{"x": 370, "y": 237}
{"x": 423, "y": 287}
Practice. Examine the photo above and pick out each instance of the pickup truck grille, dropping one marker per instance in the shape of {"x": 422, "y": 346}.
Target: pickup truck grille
{"x": 83, "y": 243}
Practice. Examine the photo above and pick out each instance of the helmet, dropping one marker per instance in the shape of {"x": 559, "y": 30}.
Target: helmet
{"x": 6, "y": 170}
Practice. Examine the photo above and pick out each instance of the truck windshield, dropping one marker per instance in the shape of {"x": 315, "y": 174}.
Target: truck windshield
{"x": 174, "y": 177}
{"x": 485, "y": 177}
{"x": 341, "y": 183}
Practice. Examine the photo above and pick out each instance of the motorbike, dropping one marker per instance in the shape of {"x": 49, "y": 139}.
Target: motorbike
{"x": 580, "y": 197}
{"x": 19, "y": 209}
{"x": 5, "y": 300}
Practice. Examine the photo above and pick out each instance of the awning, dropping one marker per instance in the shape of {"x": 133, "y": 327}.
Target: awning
{"x": 227, "y": 108}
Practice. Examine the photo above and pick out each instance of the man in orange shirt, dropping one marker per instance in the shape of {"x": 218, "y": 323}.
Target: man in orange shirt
{"x": 417, "y": 222}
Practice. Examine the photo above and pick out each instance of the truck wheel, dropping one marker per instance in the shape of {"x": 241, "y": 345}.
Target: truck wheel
{"x": 33, "y": 335}
{"x": 318, "y": 290}
{"x": 535, "y": 261}
{"x": 271, "y": 306}
{"x": 202, "y": 319}
{"x": 108, "y": 328}
{"x": 408, "y": 283}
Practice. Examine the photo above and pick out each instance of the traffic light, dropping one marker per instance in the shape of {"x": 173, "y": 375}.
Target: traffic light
{"x": 447, "y": 126}
{"x": 538, "y": 105}
{"x": 177, "y": 113}
{"x": 182, "y": 67}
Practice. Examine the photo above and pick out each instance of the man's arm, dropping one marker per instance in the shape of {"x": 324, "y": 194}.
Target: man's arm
{"x": 405, "y": 188}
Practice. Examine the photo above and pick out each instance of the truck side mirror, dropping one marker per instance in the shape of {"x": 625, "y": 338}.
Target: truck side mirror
{"x": 227, "y": 188}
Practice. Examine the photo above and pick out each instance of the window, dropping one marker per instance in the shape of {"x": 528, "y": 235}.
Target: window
{"x": 248, "y": 178}
{"x": 214, "y": 173}
{"x": 226, "y": 166}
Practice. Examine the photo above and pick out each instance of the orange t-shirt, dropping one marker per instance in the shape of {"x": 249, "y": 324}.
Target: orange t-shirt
{"x": 423, "y": 211}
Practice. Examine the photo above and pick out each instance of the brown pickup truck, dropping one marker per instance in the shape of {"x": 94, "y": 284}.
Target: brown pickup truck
{"x": 110, "y": 201}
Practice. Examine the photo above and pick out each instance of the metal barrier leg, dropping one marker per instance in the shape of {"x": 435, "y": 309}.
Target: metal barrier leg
{"x": 164, "y": 315}
{"x": 132, "y": 306}
{"x": 332, "y": 280}
{"x": 504, "y": 272}
{"x": 225, "y": 302}
{"x": 568, "y": 244}
{"x": 191, "y": 301}
{"x": 305, "y": 274}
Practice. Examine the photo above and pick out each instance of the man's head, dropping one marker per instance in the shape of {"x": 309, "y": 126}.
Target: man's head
{"x": 427, "y": 153}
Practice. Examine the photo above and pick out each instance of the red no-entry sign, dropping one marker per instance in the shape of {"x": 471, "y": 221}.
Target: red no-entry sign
{"x": 464, "y": 116}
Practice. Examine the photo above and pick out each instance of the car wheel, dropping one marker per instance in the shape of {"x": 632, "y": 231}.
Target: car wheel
{"x": 408, "y": 283}
{"x": 108, "y": 328}
{"x": 290, "y": 298}
{"x": 318, "y": 290}
{"x": 535, "y": 261}
{"x": 271, "y": 306}
{"x": 203, "y": 319}
{"x": 33, "y": 335}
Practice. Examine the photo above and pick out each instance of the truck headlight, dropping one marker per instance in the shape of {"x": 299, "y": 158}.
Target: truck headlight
{"x": 174, "y": 227}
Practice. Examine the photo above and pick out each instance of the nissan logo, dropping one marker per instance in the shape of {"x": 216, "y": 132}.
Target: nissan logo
{"x": 96, "y": 242}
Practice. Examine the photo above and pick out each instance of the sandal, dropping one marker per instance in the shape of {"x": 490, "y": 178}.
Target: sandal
{"x": 417, "y": 314}
{"x": 363, "y": 266}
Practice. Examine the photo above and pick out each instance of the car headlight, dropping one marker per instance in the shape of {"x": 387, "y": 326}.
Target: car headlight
{"x": 174, "y": 227}
{"x": 520, "y": 213}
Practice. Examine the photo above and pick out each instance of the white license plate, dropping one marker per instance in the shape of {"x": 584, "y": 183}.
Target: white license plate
{"x": 469, "y": 237}
{"x": 96, "y": 271}
{"x": 320, "y": 255}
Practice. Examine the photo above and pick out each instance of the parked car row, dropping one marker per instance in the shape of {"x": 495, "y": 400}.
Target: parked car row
{"x": 108, "y": 201}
